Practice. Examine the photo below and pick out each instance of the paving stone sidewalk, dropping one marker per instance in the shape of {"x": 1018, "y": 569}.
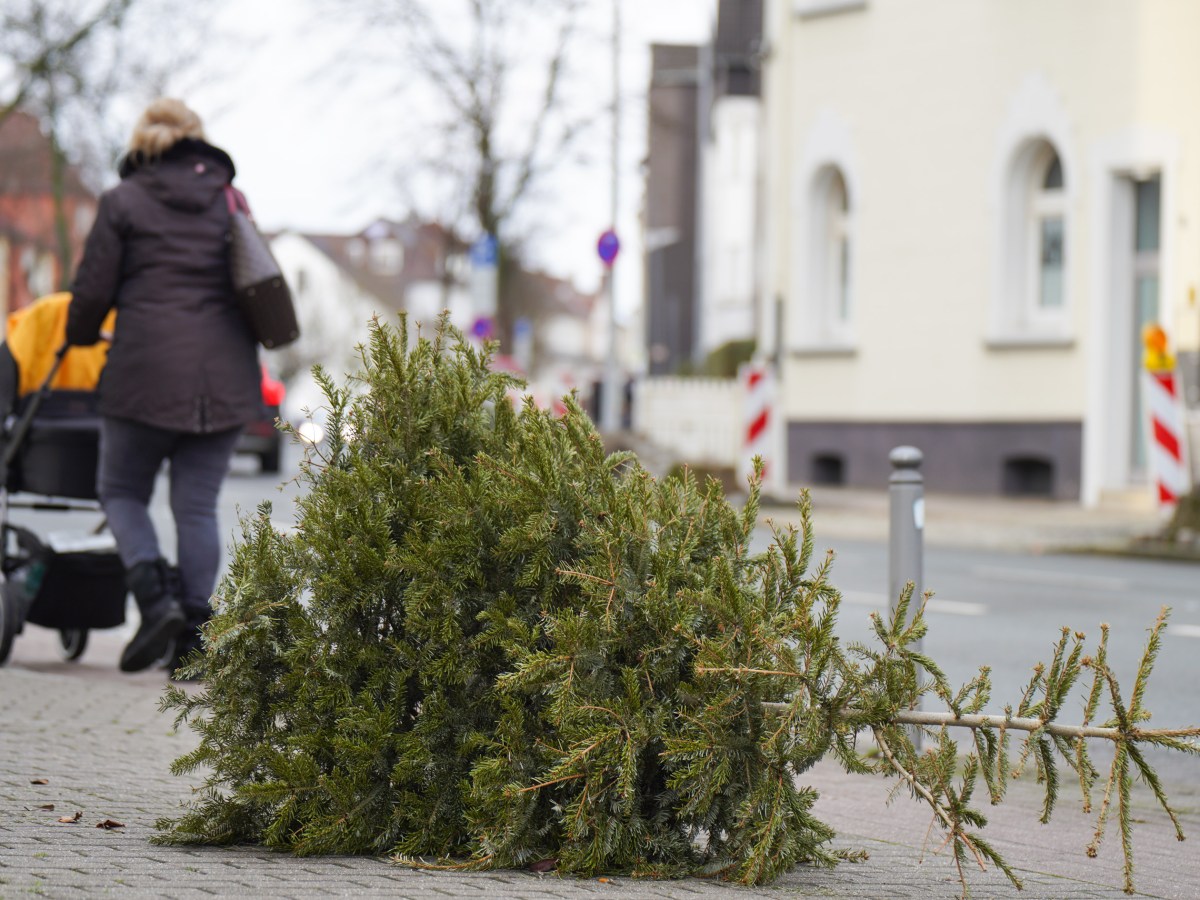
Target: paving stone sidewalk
{"x": 96, "y": 738}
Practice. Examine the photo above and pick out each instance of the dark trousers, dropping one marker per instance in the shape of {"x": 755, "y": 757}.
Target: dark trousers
{"x": 130, "y": 456}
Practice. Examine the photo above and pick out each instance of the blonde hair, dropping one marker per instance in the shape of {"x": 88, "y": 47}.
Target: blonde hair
{"x": 165, "y": 122}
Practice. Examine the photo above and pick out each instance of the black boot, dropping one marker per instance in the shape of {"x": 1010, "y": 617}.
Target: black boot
{"x": 154, "y": 587}
{"x": 187, "y": 642}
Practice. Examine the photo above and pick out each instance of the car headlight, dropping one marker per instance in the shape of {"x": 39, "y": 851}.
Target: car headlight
{"x": 310, "y": 432}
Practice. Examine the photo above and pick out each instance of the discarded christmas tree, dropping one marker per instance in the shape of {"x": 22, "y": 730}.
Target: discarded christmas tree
{"x": 487, "y": 643}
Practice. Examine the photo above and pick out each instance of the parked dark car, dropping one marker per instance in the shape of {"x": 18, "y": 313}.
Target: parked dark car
{"x": 261, "y": 438}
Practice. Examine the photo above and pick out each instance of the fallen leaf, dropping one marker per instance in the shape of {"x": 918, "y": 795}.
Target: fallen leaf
{"x": 69, "y": 819}
{"x": 49, "y": 807}
{"x": 38, "y": 781}
{"x": 109, "y": 824}
{"x": 543, "y": 865}
{"x": 604, "y": 880}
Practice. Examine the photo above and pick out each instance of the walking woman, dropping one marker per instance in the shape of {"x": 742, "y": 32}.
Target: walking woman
{"x": 182, "y": 375}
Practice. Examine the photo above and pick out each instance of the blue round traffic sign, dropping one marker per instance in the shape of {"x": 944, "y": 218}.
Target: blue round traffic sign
{"x": 608, "y": 247}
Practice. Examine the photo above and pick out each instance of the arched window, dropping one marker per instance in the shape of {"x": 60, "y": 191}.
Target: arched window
{"x": 1048, "y": 220}
{"x": 837, "y": 247}
{"x": 1033, "y": 303}
{"x": 830, "y": 283}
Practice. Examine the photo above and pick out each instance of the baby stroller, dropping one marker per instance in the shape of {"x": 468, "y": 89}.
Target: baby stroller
{"x": 69, "y": 581}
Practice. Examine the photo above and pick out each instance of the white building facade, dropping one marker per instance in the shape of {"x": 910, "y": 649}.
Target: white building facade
{"x": 332, "y": 309}
{"x": 973, "y": 208}
{"x": 730, "y": 163}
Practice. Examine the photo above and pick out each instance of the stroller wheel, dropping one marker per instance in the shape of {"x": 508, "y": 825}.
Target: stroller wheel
{"x": 72, "y": 643}
{"x": 9, "y": 618}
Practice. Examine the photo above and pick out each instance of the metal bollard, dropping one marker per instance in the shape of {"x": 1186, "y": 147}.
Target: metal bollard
{"x": 906, "y": 527}
{"x": 906, "y": 533}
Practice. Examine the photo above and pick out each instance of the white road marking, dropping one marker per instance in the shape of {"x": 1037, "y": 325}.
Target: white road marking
{"x": 1058, "y": 579}
{"x": 1192, "y": 631}
{"x": 936, "y": 605}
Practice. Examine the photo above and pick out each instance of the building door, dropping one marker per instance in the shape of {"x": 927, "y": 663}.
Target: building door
{"x": 1145, "y": 308}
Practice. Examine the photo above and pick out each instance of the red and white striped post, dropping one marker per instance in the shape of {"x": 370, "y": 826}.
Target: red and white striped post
{"x": 1168, "y": 463}
{"x": 758, "y": 379}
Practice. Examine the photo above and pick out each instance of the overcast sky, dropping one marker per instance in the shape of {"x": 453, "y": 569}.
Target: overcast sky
{"x": 311, "y": 158}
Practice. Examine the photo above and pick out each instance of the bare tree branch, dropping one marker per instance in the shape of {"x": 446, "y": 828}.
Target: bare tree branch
{"x": 549, "y": 105}
{"x": 69, "y": 63}
{"x": 55, "y": 57}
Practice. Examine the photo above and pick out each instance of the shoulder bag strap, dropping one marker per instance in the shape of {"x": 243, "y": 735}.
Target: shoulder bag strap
{"x": 236, "y": 201}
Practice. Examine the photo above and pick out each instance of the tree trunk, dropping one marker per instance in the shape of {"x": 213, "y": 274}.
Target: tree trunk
{"x": 62, "y": 228}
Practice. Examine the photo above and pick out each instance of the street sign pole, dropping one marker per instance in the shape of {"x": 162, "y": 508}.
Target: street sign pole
{"x": 610, "y": 401}
{"x": 484, "y": 286}
{"x": 610, "y": 396}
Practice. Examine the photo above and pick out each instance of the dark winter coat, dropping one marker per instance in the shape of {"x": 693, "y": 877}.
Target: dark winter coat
{"x": 182, "y": 357}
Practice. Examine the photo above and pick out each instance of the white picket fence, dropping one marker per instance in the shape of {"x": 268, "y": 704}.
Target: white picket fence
{"x": 699, "y": 420}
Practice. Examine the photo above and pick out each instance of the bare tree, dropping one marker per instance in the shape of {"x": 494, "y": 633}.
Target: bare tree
{"x": 485, "y": 102}
{"x": 68, "y": 64}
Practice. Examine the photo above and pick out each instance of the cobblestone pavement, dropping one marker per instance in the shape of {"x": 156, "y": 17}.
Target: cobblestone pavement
{"x": 97, "y": 740}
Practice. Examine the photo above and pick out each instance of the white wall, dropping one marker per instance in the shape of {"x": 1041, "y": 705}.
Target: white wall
{"x": 425, "y": 301}
{"x": 731, "y": 167}
{"x": 697, "y": 419}
{"x": 923, "y": 105}
{"x": 333, "y": 312}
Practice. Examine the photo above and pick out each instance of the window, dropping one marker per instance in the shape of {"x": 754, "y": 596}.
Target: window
{"x": 85, "y": 215}
{"x": 824, "y": 251}
{"x": 387, "y": 256}
{"x": 1147, "y": 213}
{"x": 824, "y": 319}
{"x": 1033, "y": 302}
{"x": 837, "y": 287}
{"x": 1047, "y": 213}
{"x": 833, "y": 284}
{"x": 458, "y": 266}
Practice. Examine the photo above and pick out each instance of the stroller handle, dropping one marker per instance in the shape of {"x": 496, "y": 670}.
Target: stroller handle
{"x": 23, "y": 424}
{"x": 44, "y": 387}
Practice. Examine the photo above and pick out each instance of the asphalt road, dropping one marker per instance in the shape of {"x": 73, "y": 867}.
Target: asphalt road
{"x": 1006, "y": 610}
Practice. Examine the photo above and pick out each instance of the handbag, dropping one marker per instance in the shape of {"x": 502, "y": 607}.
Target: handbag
{"x": 262, "y": 293}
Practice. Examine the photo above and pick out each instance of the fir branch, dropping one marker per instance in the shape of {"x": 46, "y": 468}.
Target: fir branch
{"x": 952, "y": 824}
{"x": 553, "y": 781}
{"x": 983, "y": 720}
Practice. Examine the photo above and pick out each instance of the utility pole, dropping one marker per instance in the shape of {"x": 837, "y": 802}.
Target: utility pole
{"x": 610, "y": 396}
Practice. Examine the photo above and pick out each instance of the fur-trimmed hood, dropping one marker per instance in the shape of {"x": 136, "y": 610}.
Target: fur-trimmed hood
{"x": 188, "y": 175}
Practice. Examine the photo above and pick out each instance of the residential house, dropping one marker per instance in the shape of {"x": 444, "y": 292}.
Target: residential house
{"x": 974, "y": 208}
{"x": 561, "y": 338}
{"x": 669, "y": 213}
{"x": 29, "y": 250}
{"x": 730, "y": 152}
{"x": 340, "y": 282}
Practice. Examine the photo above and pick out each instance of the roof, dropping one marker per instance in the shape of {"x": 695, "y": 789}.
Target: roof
{"x": 25, "y": 160}
{"x": 424, "y": 247}
{"x": 547, "y": 295}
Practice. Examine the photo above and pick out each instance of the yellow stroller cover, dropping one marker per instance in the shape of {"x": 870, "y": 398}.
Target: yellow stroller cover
{"x": 35, "y": 334}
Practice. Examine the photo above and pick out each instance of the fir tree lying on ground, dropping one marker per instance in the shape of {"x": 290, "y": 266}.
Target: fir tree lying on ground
{"x": 488, "y": 643}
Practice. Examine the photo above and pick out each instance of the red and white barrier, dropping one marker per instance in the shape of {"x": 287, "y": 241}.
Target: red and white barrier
{"x": 759, "y": 382}
{"x": 1165, "y": 414}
